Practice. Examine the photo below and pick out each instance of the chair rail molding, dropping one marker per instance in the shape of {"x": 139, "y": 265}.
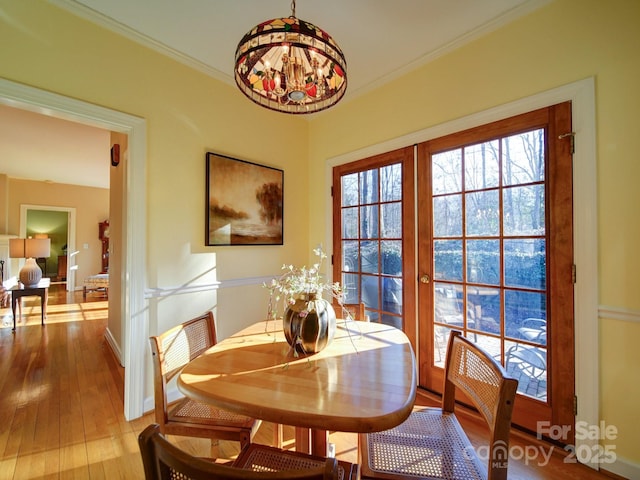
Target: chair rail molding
{"x": 158, "y": 292}
{"x": 618, "y": 313}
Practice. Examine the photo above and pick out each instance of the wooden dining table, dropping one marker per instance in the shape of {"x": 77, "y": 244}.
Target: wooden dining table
{"x": 363, "y": 381}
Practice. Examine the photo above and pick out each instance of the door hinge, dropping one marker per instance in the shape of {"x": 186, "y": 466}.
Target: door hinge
{"x": 572, "y": 136}
{"x": 573, "y": 273}
{"x": 575, "y": 405}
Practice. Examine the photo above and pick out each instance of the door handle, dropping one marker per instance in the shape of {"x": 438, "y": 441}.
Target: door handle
{"x": 425, "y": 278}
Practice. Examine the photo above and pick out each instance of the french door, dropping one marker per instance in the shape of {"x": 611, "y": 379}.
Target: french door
{"x": 373, "y": 236}
{"x": 495, "y": 255}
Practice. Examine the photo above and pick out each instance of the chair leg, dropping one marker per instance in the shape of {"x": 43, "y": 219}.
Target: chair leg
{"x": 245, "y": 441}
{"x": 278, "y": 436}
{"x": 214, "y": 450}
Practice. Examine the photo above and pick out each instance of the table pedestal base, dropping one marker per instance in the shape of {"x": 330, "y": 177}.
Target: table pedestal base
{"x": 312, "y": 441}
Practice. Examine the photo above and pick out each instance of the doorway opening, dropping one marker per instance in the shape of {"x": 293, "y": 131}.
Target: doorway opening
{"x": 131, "y": 305}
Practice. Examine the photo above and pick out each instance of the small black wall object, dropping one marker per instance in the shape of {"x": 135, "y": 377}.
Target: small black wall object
{"x": 115, "y": 154}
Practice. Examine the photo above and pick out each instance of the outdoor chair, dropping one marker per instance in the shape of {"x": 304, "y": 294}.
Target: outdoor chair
{"x": 531, "y": 359}
{"x": 431, "y": 442}
{"x": 171, "y": 351}
{"x": 163, "y": 461}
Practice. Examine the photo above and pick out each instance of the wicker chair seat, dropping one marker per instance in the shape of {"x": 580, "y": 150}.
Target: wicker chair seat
{"x": 429, "y": 444}
{"x": 262, "y": 458}
{"x": 190, "y": 411}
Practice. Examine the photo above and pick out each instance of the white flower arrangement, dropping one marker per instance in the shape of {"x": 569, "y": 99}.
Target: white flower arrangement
{"x": 298, "y": 281}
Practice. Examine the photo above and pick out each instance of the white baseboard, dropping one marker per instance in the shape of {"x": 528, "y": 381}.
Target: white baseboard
{"x": 114, "y": 346}
{"x": 623, "y": 467}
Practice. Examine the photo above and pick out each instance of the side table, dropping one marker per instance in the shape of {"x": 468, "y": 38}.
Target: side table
{"x": 41, "y": 290}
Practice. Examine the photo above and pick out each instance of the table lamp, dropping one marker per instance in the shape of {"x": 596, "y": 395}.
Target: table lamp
{"x": 30, "y": 248}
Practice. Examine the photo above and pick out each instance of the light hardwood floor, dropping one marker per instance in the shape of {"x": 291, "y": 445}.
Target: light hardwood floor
{"x": 61, "y": 404}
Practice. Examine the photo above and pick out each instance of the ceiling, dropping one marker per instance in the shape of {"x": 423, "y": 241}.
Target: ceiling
{"x": 390, "y": 38}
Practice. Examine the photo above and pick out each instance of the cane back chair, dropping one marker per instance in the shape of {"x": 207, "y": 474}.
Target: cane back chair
{"x": 431, "y": 442}
{"x": 164, "y": 461}
{"x": 171, "y": 351}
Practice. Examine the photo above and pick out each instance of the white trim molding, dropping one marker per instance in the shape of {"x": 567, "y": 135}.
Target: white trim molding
{"x": 619, "y": 313}
{"x": 115, "y": 348}
{"x": 206, "y": 287}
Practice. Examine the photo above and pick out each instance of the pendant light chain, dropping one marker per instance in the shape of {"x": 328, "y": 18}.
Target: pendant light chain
{"x": 293, "y": 8}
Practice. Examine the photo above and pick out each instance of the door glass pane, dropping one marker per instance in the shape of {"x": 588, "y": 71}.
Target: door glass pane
{"x": 483, "y": 309}
{"x": 523, "y": 210}
{"x": 391, "y": 220}
{"x": 350, "y": 256}
{"x": 392, "y": 257}
{"x": 370, "y": 291}
{"x": 349, "y": 190}
{"x": 391, "y": 183}
{"x": 520, "y": 307}
{"x": 446, "y": 170}
{"x": 392, "y": 294}
{"x": 448, "y": 304}
{"x": 481, "y": 168}
{"x": 369, "y": 221}
{"x": 350, "y": 222}
{"x": 524, "y": 263}
{"x": 528, "y": 364}
{"x": 447, "y": 216}
{"x": 447, "y": 260}
{"x": 523, "y": 158}
{"x": 369, "y": 261}
{"x": 483, "y": 261}
{"x": 351, "y": 288}
{"x": 369, "y": 186}
{"x": 482, "y": 213}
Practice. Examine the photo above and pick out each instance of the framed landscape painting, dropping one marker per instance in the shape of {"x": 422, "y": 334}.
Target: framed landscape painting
{"x": 244, "y": 202}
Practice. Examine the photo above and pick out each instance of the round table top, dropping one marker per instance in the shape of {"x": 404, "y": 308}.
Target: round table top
{"x": 363, "y": 381}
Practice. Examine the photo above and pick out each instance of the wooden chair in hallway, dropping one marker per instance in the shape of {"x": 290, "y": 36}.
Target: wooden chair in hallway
{"x": 171, "y": 351}
{"x": 164, "y": 461}
{"x": 431, "y": 442}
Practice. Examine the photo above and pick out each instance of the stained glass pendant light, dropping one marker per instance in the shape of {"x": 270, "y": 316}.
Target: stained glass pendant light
{"x": 290, "y": 65}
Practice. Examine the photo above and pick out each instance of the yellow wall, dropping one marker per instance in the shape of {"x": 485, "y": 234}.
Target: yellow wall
{"x": 4, "y": 203}
{"x": 189, "y": 113}
{"x": 564, "y": 42}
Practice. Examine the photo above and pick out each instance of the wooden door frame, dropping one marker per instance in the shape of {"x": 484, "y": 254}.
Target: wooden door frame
{"x": 582, "y": 96}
